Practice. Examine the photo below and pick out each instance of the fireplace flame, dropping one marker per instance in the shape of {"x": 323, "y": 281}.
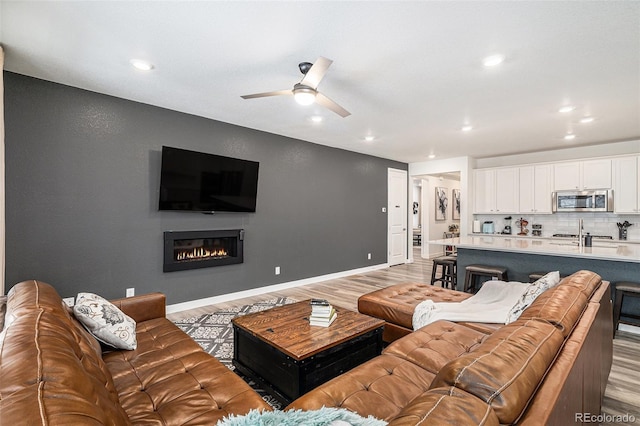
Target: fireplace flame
{"x": 201, "y": 253}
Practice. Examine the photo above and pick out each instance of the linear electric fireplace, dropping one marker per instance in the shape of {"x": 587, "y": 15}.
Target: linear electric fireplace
{"x": 202, "y": 249}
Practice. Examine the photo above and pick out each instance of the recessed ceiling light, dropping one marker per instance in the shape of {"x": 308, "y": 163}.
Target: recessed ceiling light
{"x": 585, "y": 120}
{"x": 569, "y": 136}
{"x": 566, "y": 108}
{"x": 467, "y": 128}
{"x": 317, "y": 119}
{"x": 432, "y": 156}
{"x": 493, "y": 60}
{"x": 141, "y": 65}
{"x": 369, "y": 138}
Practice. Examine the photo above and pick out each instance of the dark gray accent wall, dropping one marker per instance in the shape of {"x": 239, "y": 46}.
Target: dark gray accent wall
{"x": 82, "y": 179}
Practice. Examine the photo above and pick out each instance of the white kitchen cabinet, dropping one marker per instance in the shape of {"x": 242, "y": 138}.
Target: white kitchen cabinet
{"x": 582, "y": 175}
{"x": 484, "y": 191}
{"x": 566, "y": 176}
{"x": 596, "y": 174}
{"x": 626, "y": 194}
{"x": 495, "y": 190}
{"x": 507, "y": 190}
{"x": 535, "y": 189}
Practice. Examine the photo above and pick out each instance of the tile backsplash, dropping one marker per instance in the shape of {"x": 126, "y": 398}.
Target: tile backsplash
{"x": 567, "y": 223}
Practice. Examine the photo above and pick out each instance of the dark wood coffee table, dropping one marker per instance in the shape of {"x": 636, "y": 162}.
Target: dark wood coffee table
{"x": 289, "y": 357}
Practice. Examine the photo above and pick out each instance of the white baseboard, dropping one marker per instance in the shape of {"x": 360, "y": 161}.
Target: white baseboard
{"x": 184, "y": 306}
{"x": 629, "y": 328}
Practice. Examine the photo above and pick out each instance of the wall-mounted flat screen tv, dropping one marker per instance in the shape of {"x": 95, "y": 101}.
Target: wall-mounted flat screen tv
{"x": 200, "y": 182}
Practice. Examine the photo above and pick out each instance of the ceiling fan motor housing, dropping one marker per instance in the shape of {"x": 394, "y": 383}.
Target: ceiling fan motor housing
{"x": 305, "y": 67}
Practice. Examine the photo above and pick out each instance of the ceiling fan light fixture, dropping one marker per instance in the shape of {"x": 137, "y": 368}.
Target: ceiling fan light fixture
{"x": 304, "y": 95}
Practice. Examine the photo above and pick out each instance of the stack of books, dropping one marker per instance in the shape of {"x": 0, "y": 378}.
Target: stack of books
{"x": 322, "y": 313}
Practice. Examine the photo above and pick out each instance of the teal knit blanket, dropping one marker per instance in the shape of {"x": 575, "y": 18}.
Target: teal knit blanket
{"x": 322, "y": 417}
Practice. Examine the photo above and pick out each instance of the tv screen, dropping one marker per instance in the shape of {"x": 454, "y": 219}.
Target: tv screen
{"x": 195, "y": 181}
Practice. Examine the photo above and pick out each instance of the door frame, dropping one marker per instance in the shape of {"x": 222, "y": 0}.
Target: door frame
{"x": 405, "y": 173}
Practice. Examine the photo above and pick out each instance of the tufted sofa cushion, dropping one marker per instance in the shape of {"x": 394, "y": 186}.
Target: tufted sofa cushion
{"x": 384, "y": 385}
{"x": 395, "y": 304}
{"x": 505, "y": 370}
{"x": 169, "y": 379}
{"x": 432, "y": 347}
{"x": 446, "y": 406}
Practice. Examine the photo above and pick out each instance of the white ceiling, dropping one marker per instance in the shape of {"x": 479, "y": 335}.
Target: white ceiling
{"x": 409, "y": 72}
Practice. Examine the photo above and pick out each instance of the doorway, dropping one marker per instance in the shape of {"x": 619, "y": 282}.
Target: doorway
{"x": 439, "y": 209}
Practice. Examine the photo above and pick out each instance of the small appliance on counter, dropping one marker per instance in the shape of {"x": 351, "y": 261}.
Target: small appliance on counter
{"x": 622, "y": 229}
{"x": 507, "y": 228}
{"x": 536, "y": 230}
{"x": 487, "y": 227}
{"x": 477, "y": 227}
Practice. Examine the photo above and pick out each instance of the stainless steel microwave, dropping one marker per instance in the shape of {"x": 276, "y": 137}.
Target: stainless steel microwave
{"x": 583, "y": 201}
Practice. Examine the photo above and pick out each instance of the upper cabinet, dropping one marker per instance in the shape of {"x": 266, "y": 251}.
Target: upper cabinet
{"x": 535, "y": 189}
{"x": 627, "y": 185}
{"x": 582, "y": 175}
{"x": 528, "y": 189}
{"x": 496, "y": 190}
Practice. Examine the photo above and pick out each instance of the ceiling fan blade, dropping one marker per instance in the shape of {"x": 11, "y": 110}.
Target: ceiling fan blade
{"x": 265, "y": 94}
{"x": 317, "y": 72}
{"x": 329, "y": 104}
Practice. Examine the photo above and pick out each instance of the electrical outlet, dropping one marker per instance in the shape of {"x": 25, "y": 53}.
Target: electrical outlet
{"x": 131, "y": 292}
{"x": 69, "y": 301}
{"x": 369, "y": 256}
{"x": 277, "y": 270}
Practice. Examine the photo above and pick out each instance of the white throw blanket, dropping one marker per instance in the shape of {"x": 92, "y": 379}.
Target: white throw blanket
{"x": 491, "y": 304}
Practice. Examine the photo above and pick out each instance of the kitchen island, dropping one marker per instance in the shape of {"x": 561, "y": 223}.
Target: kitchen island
{"x": 614, "y": 260}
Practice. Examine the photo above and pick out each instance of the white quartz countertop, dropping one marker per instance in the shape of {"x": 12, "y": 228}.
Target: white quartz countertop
{"x": 605, "y": 250}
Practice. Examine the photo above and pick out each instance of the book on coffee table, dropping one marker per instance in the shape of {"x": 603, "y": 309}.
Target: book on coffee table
{"x": 322, "y": 313}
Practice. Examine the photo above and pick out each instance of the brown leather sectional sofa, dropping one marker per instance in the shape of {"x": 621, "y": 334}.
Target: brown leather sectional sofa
{"x": 542, "y": 369}
{"x": 53, "y": 372}
{"x": 546, "y": 368}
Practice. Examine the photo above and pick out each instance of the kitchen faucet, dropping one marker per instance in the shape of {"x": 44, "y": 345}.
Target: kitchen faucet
{"x": 580, "y": 229}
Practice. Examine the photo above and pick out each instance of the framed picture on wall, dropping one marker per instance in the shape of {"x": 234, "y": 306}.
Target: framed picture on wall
{"x": 441, "y": 203}
{"x": 455, "y": 211}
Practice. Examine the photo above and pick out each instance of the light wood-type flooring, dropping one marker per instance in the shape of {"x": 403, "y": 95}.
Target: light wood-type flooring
{"x": 623, "y": 389}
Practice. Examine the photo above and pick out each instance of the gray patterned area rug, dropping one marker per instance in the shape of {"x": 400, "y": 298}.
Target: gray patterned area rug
{"x": 214, "y": 333}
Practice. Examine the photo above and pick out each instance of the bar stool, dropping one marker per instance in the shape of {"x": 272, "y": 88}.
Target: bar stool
{"x": 449, "y": 270}
{"x": 473, "y": 272}
{"x": 623, "y": 289}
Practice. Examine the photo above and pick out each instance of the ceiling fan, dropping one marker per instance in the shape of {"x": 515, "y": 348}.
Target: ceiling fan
{"x": 306, "y": 92}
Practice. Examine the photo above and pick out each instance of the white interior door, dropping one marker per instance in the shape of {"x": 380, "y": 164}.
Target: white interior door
{"x": 397, "y": 217}
{"x": 427, "y": 208}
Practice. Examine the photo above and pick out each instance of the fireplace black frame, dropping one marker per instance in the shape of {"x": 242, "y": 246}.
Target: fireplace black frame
{"x": 170, "y": 264}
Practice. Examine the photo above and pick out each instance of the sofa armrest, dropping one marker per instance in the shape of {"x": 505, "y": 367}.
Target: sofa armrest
{"x": 143, "y": 307}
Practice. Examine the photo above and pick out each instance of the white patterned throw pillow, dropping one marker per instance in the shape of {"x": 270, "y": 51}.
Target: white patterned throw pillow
{"x": 105, "y": 321}
{"x": 533, "y": 291}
